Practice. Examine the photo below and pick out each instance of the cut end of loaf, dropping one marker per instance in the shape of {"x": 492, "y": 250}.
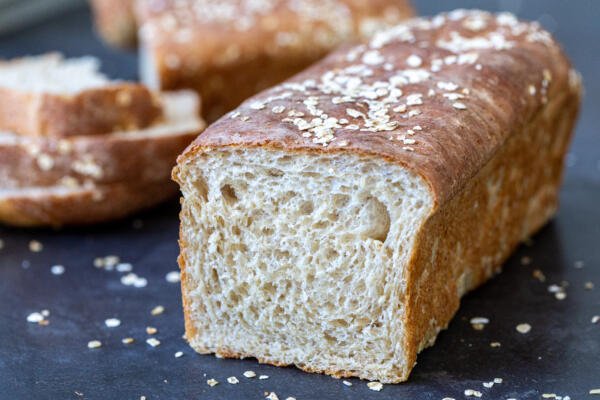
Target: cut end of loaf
{"x": 300, "y": 259}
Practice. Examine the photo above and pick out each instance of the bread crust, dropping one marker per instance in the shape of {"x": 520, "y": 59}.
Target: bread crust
{"x": 115, "y": 22}
{"x": 250, "y": 50}
{"x": 491, "y": 156}
{"x": 123, "y": 106}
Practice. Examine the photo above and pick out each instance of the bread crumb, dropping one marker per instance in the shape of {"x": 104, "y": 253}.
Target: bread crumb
{"x": 272, "y": 396}
{"x": 127, "y": 340}
{"x": 124, "y": 267}
{"x": 233, "y": 380}
{"x": 35, "y": 246}
{"x": 495, "y": 344}
{"x": 249, "y": 374}
{"x": 153, "y": 342}
{"x": 212, "y": 382}
{"x": 158, "y": 310}
{"x": 112, "y": 322}
{"x": 478, "y": 323}
{"x": 459, "y": 106}
{"x": 594, "y": 391}
{"x": 523, "y": 328}
{"x": 179, "y": 354}
{"x": 595, "y": 319}
{"x": 262, "y": 377}
{"x": 376, "y": 386}
{"x": 498, "y": 380}
{"x": 94, "y": 344}
{"x": 347, "y": 383}
{"x": 57, "y": 270}
{"x": 560, "y": 295}
{"x": 525, "y": 260}
{"x": 539, "y": 275}
{"x": 588, "y": 285}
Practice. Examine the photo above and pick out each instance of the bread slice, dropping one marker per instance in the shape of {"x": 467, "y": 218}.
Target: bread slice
{"x": 80, "y": 204}
{"x": 147, "y": 154}
{"x": 115, "y": 22}
{"x": 85, "y": 179}
{"x": 334, "y": 221}
{"x": 248, "y": 46}
{"x": 50, "y": 96}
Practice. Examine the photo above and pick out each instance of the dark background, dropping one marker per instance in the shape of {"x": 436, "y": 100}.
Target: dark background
{"x": 560, "y": 355}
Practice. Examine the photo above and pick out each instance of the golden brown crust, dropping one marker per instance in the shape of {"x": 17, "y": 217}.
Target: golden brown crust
{"x": 84, "y": 205}
{"x": 428, "y": 133}
{"x": 123, "y": 106}
{"x": 249, "y": 50}
{"x": 115, "y": 22}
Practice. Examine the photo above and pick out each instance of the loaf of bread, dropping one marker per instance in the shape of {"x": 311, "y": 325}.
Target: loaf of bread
{"x": 49, "y": 178}
{"x": 334, "y": 221}
{"x": 115, "y": 22}
{"x": 50, "y": 96}
{"x": 228, "y": 50}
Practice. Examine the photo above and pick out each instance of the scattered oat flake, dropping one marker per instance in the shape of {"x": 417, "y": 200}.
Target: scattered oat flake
{"x": 212, "y": 382}
{"x": 233, "y": 380}
{"x": 376, "y": 386}
{"x": 261, "y": 377}
{"x": 94, "y": 344}
{"x": 124, "y": 267}
{"x": 249, "y": 374}
{"x": 472, "y": 393}
{"x": 150, "y": 330}
{"x": 157, "y": 310}
{"x": 35, "y": 317}
{"x": 153, "y": 342}
{"x": 272, "y": 396}
{"x": 523, "y": 328}
{"x": 35, "y": 246}
{"x": 127, "y": 340}
{"x": 179, "y": 354}
{"x": 173, "y": 277}
{"x": 112, "y": 322}
{"x": 57, "y": 270}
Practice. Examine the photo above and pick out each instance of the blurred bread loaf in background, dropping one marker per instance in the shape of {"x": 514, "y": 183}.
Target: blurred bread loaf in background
{"x": 228, "y": 50}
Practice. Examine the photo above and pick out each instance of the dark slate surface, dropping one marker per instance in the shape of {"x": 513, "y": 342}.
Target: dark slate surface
{"x": 560, "y": 355}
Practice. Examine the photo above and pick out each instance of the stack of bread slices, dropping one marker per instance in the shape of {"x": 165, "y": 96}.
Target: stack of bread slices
{"x": 76, "y": 147}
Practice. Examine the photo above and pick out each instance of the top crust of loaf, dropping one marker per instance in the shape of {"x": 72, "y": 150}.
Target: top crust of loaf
{"x": 236, "y": 31}
{"x": 438, "y": 96}
{"x": 50, "y": 96}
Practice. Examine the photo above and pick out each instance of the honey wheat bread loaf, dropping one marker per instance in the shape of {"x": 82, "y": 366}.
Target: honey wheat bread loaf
{"x": 228, "y": 50}
{"x": 334, "y": 221}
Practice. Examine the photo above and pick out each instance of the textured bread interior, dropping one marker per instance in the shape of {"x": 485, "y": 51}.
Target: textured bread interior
{"x": 299, "y": 258}
{"x": 51, "y": 73}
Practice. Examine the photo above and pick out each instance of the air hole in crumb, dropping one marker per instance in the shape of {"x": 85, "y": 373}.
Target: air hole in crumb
{"x": 340, "y": 200}
{"x": 228, "y": 194}
{"x": 419, "y": 204}
{"x": 202, "y": 188}
{"x": 306, "y": 208}
{"x": 267, "y": 231}
{"x": 375, "y": 220}
{"x": 274, "y": 172}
